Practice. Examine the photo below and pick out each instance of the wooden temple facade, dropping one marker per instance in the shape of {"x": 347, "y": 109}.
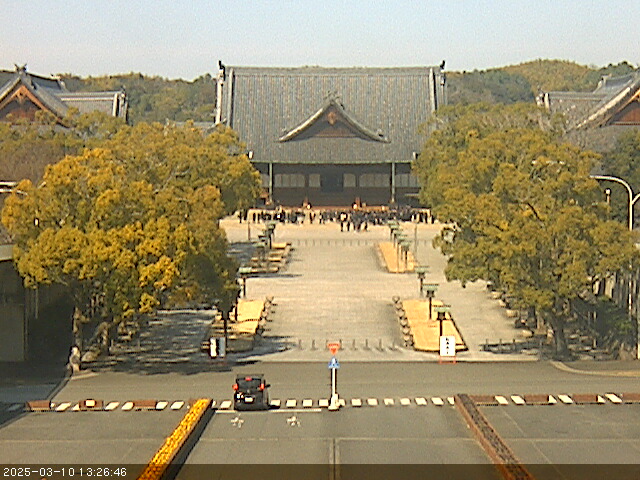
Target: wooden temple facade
{"x": 331, "y": 136}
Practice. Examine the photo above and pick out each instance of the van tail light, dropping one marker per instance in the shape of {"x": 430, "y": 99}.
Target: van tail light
{"x": 235, "y": 387}
{"x": 262, "y": 386}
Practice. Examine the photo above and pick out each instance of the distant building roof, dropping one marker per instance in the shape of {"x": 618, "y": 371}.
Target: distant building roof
{"x": 331, "y": 115}
{"x": 614, "y": 101}
{"x": 23, "y": 93}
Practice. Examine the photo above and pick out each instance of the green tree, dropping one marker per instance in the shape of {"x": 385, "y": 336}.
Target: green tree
{"x": 134, "y": 222}
{"x": 523, "y": 211}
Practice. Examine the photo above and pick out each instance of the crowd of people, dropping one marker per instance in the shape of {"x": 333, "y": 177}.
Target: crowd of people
{"x": 356, "y": 219}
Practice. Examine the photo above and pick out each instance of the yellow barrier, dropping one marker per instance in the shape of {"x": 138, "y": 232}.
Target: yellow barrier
{"x": 156, "y": 468}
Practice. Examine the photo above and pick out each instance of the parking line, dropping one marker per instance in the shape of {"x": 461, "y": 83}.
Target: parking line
{"x": 111, "y": 406}
{"x": 356, "y": 402}
{"x": 437, "y": 401}
{"x": 372, "y": 402}
{"x": 176, "y": 405}
{"x": 63, "y": 406}
{"x": 307, "y": 403}
{"x": 421, "y": 401}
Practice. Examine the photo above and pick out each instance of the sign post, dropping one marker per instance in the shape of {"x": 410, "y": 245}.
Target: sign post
{"x": 334, "y": 365}
{"x": 448, "y": 348}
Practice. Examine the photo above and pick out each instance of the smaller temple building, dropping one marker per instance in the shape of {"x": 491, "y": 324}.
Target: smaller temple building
{"x": 22, "y": 94}
{"x": 594, "y": 119}
{"x": 332, "y": 136}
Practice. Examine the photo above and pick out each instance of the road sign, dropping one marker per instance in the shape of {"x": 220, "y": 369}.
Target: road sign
{"x": 333, "y": 364}
{"x": 447, "y": 346}
{"x": 333, "y": 347}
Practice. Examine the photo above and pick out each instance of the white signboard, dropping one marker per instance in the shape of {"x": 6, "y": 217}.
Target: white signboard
{"x": 447, "y": 346}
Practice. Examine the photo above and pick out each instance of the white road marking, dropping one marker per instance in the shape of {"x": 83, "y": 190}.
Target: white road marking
{"x": 613, "y": 398}
{"x": 307, "y": 403}
{"x": 323, "y": 402}
{"x": 127, "y": 406}
{"x": 437, "y": 401}
{"x": 566, "y": 399}
{"x": 111, "y": 406}
{"x": 552, "y": 400}
{"x": 372, "y": 402}
{"x": 451, "y": 401}
{"x": 63, "y": 406}
{"x": 76, "y": 408}
{"x": 421, "y": 401}
{"x": 501, "y": 400}
{"x": 356, "y": 402}
{"x": 518, "y": 400}
{"x": 405, "y": 401}
{"x": 14, "y": 407}
{"x": 176, "y": 405}
{"x": 275, "y": 403}
{"x": 388, "y": 401}
{"x": 225, "y": 405}
{"x": 291, "y": 403}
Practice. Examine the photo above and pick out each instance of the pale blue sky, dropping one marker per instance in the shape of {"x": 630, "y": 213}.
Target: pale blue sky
{"x": 184, "y": 39}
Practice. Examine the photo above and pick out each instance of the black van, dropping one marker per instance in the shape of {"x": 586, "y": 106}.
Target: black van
{"x": 250, "y": 393}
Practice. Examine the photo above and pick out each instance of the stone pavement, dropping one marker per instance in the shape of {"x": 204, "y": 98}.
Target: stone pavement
{"x": 334, "y": 288}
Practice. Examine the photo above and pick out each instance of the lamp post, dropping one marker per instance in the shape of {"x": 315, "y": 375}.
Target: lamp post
{"x": 442, "y": 315}
{"x": 632, "y": 200}
{"x": 244, "y": 273}
{"x": 421, "y": 271}
{"x": 431, "y": 293}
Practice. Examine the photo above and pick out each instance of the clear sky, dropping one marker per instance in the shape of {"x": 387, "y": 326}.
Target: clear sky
{"x": 184, "y": 39}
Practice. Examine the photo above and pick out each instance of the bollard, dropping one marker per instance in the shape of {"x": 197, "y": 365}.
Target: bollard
{"x": 353, "y": 346}
{"x": 300, "y": 344}
{"x": 366, "y": 344}
{"x": 380, "y": 345}
{"x": 313, "y": 344}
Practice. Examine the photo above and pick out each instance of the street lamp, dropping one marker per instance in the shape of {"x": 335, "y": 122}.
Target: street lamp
{"x": 421, "y": 271}
{"x": 431, "y": 293}
{"x": 244, "y": 272}
{"x": 632, "y": 200}
{"x": 442, "y": 314}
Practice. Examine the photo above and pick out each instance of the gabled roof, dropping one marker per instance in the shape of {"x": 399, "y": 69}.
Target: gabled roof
{"x": 585, "y": 110}
{"x": 278, "y": 112}
{"x": 335, "y": 115}
{"x": 51, "y": 94}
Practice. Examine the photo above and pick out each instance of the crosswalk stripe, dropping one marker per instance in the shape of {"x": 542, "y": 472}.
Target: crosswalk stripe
{"x": 213, "y": 404}
{"x": 405, "y": 401}
{"x": 76, "y": 408}
{"x": 14, "y": 407}
{"x": 176, "y": 405}
{"x": 291, "y": 403}
{"x": 388, "y": 401}
{"x": 372, "y": 402}
{"x": 552, "y": 400}
{"x": 323, "y": 403}
{"x": 356, "y": 402}
{"x": 307, "y": 403}
{"x": 341, "y": 402}
{"x": 518, "y": 400}
{"x": 501, "y": 400}
{"x": 566, "y": 399}
{"x": 451, "y": 401}
{"x": 111, "y": 406}
{"x": 127, "y": 406}
{"x": 437, "y": 401}
{"x": 275, "y": 403}
{"x": 226, "y": 405}
{"x": 161, "y": 405}
{"x": 613, "y": 398}
{"x": 421, "y": 401}
{"x": 600, "y": 399}
{"x": 63, "y": 406}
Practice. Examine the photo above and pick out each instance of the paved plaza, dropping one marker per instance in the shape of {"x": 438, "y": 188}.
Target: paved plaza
{"x": 335, "y": 288}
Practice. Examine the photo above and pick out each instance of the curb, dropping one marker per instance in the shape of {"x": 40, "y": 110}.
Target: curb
{"x": 615, "y": 373}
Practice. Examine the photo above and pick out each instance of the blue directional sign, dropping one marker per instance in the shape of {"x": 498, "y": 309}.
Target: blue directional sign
{"x": 333, "y": 364}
